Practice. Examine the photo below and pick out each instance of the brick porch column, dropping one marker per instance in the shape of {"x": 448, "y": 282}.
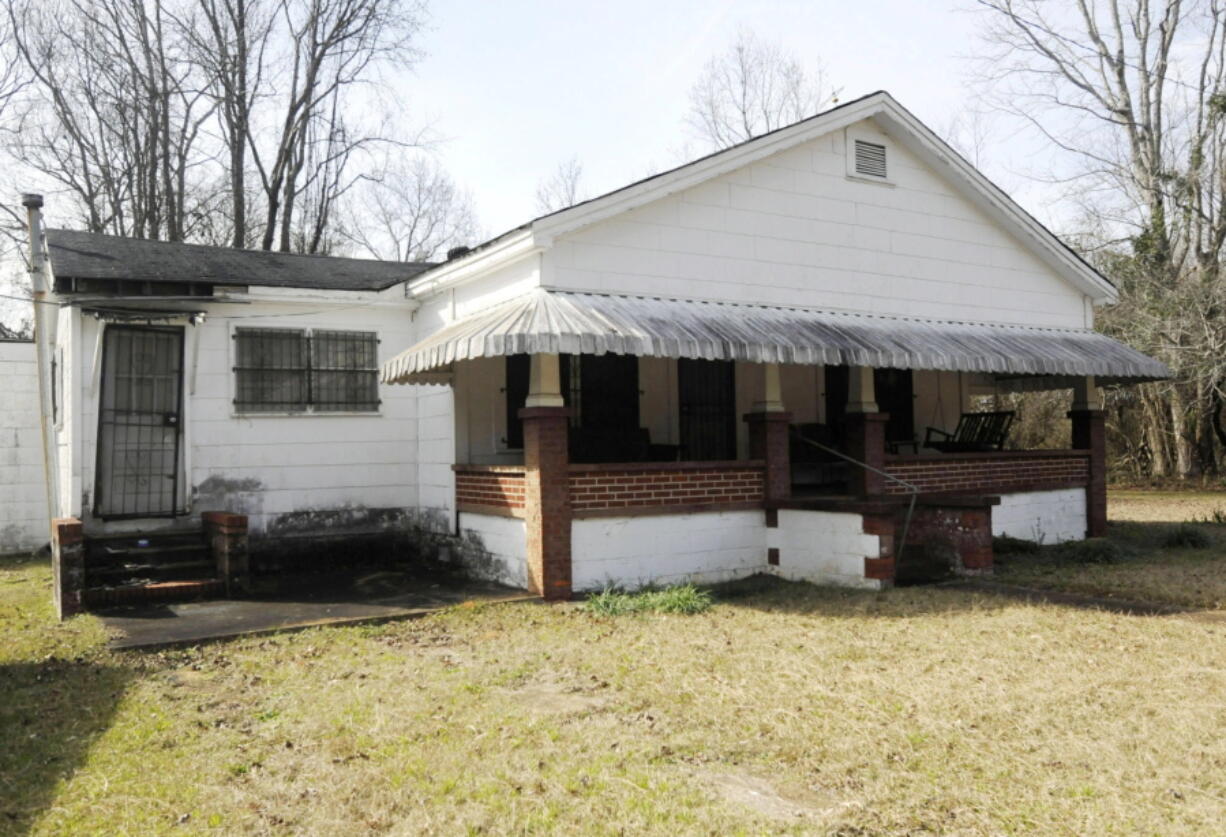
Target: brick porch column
{"x": 547, "y": 500}
{"x": 68, "y": 566}
{"x": 226, "y": 535}
{"x": 768, "y": 437}
{"x": 1090, "y": 433}
{"x": 547, "y": 480}
{"x": 865, "y": 433}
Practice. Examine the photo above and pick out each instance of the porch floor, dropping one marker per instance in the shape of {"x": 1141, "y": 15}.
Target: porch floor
{"x": 324, "y": 599}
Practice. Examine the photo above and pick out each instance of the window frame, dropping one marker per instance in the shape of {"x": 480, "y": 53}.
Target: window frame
{"x": 310, "y": 407}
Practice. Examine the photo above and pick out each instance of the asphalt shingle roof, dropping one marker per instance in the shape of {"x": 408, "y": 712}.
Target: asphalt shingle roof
{"x": 83, "y": 255}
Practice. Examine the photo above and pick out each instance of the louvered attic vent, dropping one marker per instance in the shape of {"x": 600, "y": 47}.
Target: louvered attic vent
{"x": 870, "y": 159}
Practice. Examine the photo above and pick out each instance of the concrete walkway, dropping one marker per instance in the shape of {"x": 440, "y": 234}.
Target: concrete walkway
{"x": 327, "y": 600}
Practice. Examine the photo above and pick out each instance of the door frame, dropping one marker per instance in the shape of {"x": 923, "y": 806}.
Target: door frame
{"x": 728, "y": 369}
{"x": 177, "y": 458}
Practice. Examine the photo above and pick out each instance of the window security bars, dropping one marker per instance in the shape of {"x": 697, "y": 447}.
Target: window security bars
{"x": 296, "y": 371}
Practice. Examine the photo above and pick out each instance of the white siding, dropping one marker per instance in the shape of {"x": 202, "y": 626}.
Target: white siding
{"x": 823, "y": 548}
{"x": 23, "y": 497}
{"x": 633, "y": 552}
{"x": 494, "y": 548}
{"x": 1042, "y": 516}
{"x": 269, "y": 466}
{"x": 795, "y": 230}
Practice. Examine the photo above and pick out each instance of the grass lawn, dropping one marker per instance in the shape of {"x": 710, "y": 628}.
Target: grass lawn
{"x": 1146, "y": 567}
{"x": 785, "y": 708}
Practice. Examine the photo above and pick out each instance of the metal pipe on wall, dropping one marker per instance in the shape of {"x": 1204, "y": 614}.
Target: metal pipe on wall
{"x": 38, "y": 280}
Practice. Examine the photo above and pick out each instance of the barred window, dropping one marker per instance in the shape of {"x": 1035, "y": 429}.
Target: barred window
{"x": 344, "y": 370}
{"x": 296, "y": 371}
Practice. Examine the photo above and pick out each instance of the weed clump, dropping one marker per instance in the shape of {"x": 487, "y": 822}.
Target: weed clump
{"x": 1216, "y": 518}
{"x": 1009, "y": 545}
{"x": 1090, "y": 551}
{"x": 683, "y": 599}
{"x": 1185, "y": 536}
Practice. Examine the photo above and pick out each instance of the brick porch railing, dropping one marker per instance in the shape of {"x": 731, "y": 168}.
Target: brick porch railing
{"x": 665, "y": 487}
{"x": 998, "y": 472}
{"x": 490, "y": 489}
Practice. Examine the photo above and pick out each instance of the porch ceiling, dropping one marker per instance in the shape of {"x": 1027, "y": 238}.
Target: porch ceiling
{"x": 564, "y": 322}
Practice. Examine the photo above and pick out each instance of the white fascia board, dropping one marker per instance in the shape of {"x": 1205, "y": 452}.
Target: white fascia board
{"x": 388, "y": 297}
{"x": 988, "y": 197}
{"x": 510, "y": 248}
{"x": 600, "y": 209}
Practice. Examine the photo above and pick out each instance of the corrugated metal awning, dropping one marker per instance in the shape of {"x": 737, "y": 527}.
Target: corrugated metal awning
{"x": 563, "y": 322}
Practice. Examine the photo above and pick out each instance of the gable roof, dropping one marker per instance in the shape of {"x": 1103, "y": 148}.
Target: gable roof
{"x": 83, "y": 255}
{"x": 898, "y": 122}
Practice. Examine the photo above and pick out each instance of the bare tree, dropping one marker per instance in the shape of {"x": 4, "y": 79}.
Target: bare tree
{"x": 411, "y": 211}
{"x": 752, "y": 88}
{"x": 561, "y": 189}
{"x": 230, "y": 40}
{"x": 112, "y": 115}
{"x": 335, "y": 44}
{"x": 1132, "y": 94}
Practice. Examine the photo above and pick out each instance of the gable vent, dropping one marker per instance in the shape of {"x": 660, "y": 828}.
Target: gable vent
{"x": 870, "y": 159}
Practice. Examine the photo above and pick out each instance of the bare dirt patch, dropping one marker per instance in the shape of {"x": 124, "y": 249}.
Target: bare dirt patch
{"x": 754, "y": 792}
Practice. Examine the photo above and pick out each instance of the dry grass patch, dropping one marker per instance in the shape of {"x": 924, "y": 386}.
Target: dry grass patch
{"x": 785, "y": 708}
{"x": 1159, "y": 548}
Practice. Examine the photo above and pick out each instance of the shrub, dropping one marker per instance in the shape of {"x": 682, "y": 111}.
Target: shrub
{"x": 1185, "y": 536}
{"x": 1091, "y": 551}
{"x": 1008, "y": 545}
{"x": 684, "y": 598}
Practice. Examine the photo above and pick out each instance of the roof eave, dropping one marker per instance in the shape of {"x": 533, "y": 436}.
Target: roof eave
{"x": 511, "y": 247}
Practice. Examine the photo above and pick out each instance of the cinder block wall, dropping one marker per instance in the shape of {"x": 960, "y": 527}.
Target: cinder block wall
{"x": 23, "y": 499}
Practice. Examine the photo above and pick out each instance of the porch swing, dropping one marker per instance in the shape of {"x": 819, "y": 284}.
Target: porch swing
{"x": 977, "y": 432}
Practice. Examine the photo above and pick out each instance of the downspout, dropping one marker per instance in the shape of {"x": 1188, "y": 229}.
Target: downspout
{"x": 38, "y": 280}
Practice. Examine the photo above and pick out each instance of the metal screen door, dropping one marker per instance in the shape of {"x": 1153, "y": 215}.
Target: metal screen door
{"x": 707, "y": 395}
{"x": 138, "y": 422}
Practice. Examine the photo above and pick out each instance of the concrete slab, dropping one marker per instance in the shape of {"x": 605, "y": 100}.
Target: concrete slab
{"x": 323, "y": 600}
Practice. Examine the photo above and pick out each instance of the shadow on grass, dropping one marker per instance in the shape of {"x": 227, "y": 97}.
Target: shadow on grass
{"x": 51, "y": 712}
{"x": 775, "y": 595}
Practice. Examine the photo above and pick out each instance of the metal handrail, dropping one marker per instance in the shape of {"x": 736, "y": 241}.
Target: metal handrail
{"x": 911, "y": 489}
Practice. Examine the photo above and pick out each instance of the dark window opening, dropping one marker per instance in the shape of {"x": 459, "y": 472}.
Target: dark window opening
{"x": 894, "y": 395}
{"x": 289, "y": 370}
{"x": 602, "y": 392}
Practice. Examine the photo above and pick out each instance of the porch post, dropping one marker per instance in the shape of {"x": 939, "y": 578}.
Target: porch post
{"x": 1090, "y": 434}
{"x": 768, "y": 437}
{"x": 865, "y": 432}
{"x": 547, "y": 481}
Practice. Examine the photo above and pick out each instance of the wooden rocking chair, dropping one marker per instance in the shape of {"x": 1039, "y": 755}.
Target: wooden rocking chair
{"x": 975, "y": 432}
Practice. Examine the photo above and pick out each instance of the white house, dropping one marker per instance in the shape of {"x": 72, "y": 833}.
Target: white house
{"x": 725, "y": 369}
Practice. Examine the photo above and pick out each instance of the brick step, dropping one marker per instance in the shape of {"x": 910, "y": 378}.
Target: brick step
{"x": 146, "y": 555}
{"x": 183, "y": 590}
{"x": 149, "y": 570}
{"x": 137, "y": 544}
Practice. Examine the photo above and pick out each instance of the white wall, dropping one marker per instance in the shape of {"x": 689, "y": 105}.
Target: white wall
{"x": 632, "y": 552}
{"x": 1042, "y": 516}
{"x": 23, "y": 498}
{"x": 795, "y": 230}
{"x": 270, "y": 466}
{"x": 823, "y": 548}
{"x": 494, "y": 548}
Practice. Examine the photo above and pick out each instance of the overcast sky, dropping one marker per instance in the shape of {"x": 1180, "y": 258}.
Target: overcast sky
{"x": 518, "y": 87}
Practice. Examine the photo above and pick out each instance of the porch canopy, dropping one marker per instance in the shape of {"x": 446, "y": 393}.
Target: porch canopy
{"x": 565, "y": 322}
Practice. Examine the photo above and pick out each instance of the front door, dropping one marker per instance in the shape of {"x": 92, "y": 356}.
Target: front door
{"x": 706, "y": 392}
{"x": 138, "y": 422}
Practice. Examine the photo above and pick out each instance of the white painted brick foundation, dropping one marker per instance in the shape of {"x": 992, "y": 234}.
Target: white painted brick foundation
{"x": 824, "y": 548}
{"x": 632, "y": 552}
{"x": 1042, "y": 516}
{"x": 494, "y": 548}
